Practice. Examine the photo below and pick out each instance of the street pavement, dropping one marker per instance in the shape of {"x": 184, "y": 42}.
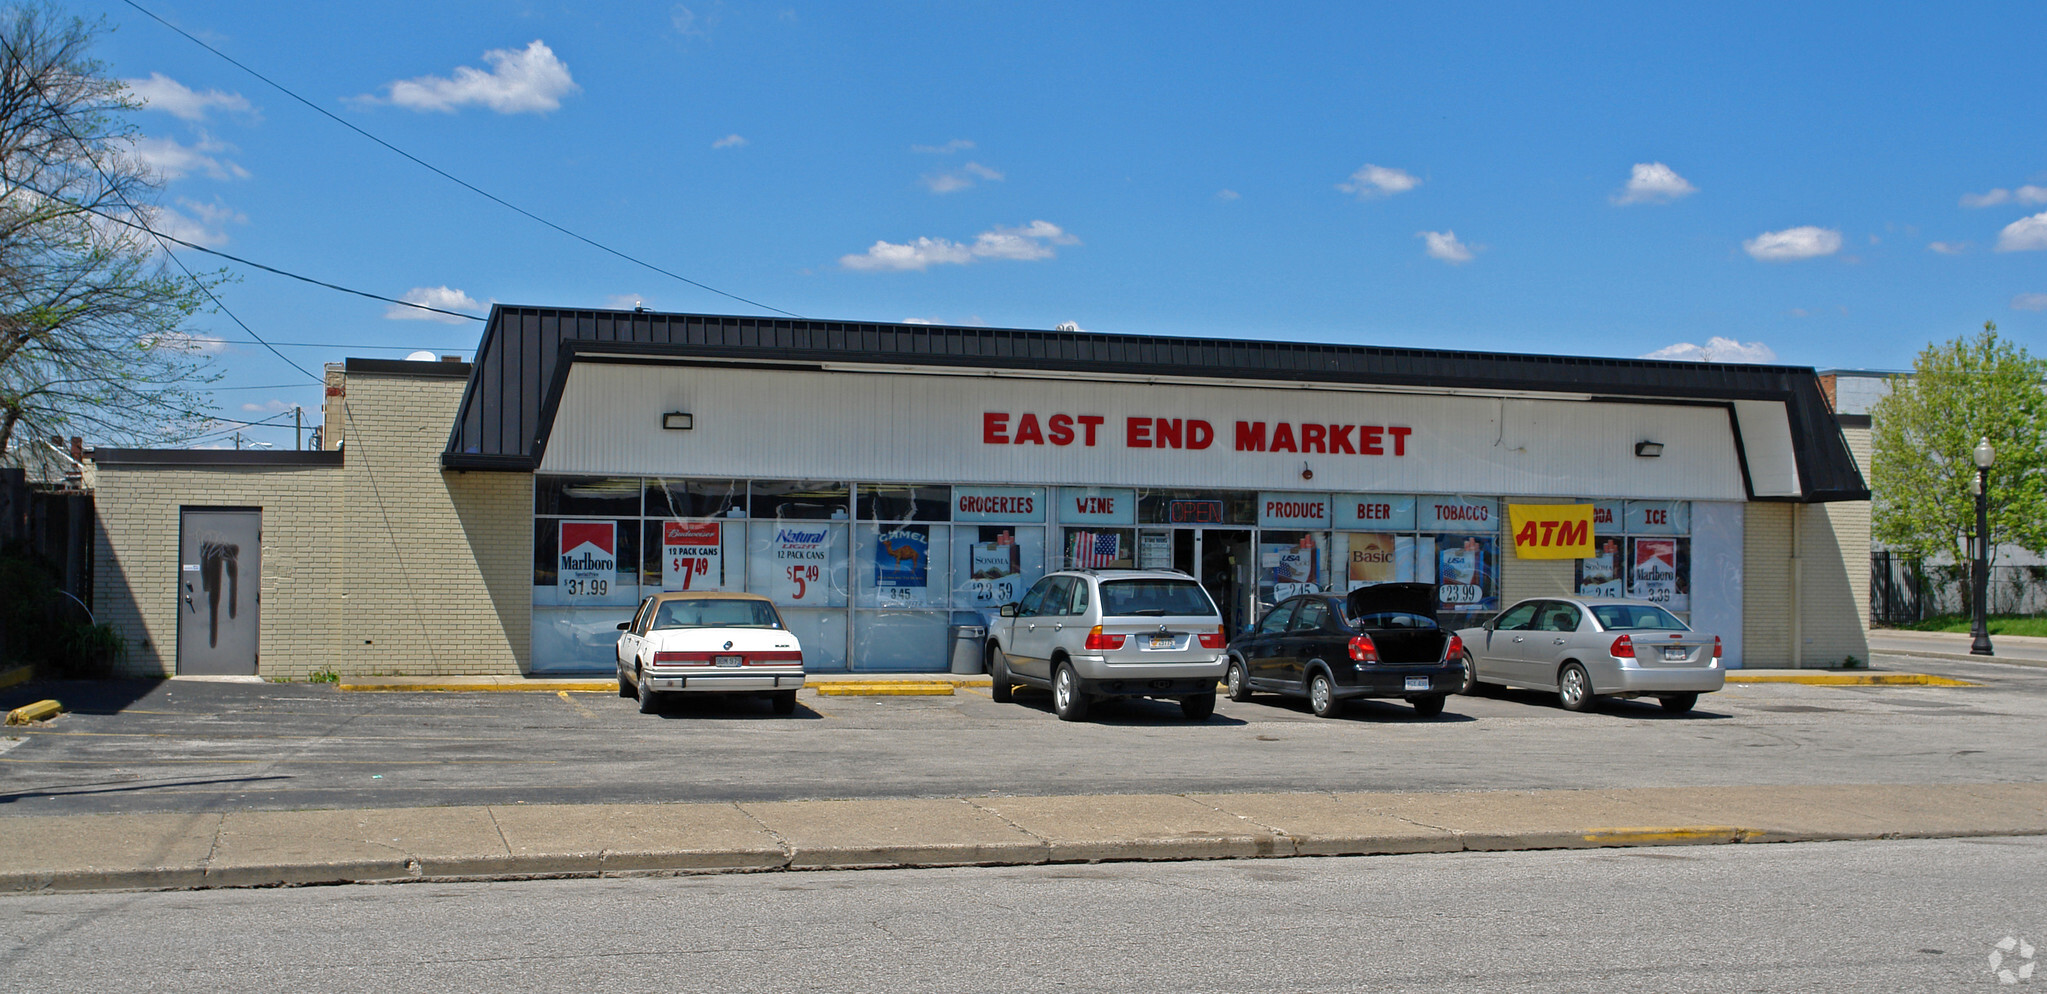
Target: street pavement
{"x": 1882, "y": 916}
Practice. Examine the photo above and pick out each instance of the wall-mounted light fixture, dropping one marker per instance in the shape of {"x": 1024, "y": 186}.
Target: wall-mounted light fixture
{"x": 1649, "y": 450}
{"x": 679, "y": 421}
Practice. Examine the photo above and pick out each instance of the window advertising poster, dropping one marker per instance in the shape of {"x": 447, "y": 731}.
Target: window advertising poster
{"x": 1154, "y": 550}
{"x": 1376, "y": 557}
{"x": 1289, "y": 567}
{"x": 1599, "y": 574}
{"x": 1467, "y": 575}
{"x": 1000, "y": 563}
{"x": 902, "y": 558}
{"x": 589, "y": 560}
{"x": 1658, "y": 572}
{"x": 692, "y": 556}
{"x": 799, "y": 563}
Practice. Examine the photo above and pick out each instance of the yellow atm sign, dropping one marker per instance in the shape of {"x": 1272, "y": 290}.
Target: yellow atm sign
{"x": 1551, "y": 531}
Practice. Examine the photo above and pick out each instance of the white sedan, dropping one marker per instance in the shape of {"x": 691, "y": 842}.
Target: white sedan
{"x": 708, "y": 642}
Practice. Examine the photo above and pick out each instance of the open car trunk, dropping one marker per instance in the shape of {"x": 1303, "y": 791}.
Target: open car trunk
{"x": 1400, "y": 618}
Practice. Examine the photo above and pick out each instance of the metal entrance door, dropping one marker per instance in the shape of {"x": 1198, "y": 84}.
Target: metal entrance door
{"x": 220, "y": 569}
{"x": 1225, "y": 558}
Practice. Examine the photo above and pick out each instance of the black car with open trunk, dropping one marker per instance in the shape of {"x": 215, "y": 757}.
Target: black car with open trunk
{"x": 1376, "y": 641}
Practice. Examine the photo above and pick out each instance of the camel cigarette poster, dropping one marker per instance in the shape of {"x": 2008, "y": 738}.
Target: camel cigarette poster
{"x": 692, "y": 556}
{"x": 902, "y": 556}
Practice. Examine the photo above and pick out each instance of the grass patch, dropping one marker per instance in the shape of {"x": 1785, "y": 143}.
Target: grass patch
{"x": 2000, "y": 624}
{"x": 323, "y": 676}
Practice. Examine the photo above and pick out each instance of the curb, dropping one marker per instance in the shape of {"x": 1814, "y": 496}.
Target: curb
{"x": 1852, "y": 679}
{"x": 17, "y": 676}
{"x": 828, "y": 685}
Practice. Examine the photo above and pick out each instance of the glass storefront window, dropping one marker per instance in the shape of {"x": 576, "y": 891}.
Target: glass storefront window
{"x": 584, "y": 562}
{"x": 1289, "y": 563}
{"x": 693, "y": 554}
{"x": 1196, "y": 507}
{"x": 996, "y": 564}
{"x": 587, "y": 496}
{"x": 1467, "y": 572}
{"x": 797, "y": 500}
{"x": 1101, "y": 548}
{"x": 1372, "y": 557}
{"x": 898, "y": 503}
{"x": 1642, "y": 549}
{"x": 902, "y": 565}
{"x": 696, "y": 498}
{"x": 797, "y": 563}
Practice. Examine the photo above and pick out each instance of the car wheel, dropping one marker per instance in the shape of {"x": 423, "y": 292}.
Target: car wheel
{"x": 1322, "y": 696}
{"x": 1471, "y": 686}
{"x": 784, "y": 701}
{"x": 1679, "y": 703}
{"x": 999, "y": 687}
{"x": 1238, "y": 683}
{"x": 625, "y": 686}
{"x": 1067, "y": 699}
{"x": 1430, "y": 706}
{"x": 1574, "y": 688}
{"x": 650, "y": 702}
{"x": 1198, "y": 706}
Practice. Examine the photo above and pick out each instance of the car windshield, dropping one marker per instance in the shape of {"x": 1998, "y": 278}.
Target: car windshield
{"x": 717, "y": 613}
{"x": 1393, "y": 619}
{"x": 1177, "y": 598}
{"x": 1639, "y": 616}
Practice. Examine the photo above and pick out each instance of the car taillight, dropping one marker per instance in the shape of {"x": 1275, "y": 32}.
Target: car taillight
{"x": 1097, "y": 641}
{"x": 1363, "y": 650}
{"x": 1716, "y": 647}
{"x": 778, "y": 658}
{"x": 1623, "y": 648}
{"x": 1215, "y": 639}
{"x": 1455, "y": 649}
{"x": 682, "y": 659}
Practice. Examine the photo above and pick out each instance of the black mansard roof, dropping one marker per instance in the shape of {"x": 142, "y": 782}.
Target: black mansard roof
{"x": 522, "y": 366}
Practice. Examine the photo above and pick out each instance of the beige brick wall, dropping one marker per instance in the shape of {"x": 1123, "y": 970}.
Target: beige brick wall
{"x": 1766, "y": 585}
{"x": 438, "y": 565}
{"x": 1820, "y": 598}
{"x": 1523, "y": 578}
{"x": 135, "y": 580}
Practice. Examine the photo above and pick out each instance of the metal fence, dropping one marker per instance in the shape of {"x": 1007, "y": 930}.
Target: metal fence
{"x": 1900, "y": 594}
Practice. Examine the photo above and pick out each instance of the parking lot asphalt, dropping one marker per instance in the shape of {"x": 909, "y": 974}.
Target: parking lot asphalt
{"x": 190, "y": 746}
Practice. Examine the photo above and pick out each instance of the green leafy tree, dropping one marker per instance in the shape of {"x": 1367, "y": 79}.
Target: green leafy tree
{"x": 1922, "y": 471}
{"x": 91, "y": 320}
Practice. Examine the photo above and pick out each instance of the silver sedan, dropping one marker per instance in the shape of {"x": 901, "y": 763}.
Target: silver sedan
{"x": 1586, "y": 648}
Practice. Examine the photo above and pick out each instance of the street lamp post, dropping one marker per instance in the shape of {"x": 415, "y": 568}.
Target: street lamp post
{"x": 1979, "y": 627}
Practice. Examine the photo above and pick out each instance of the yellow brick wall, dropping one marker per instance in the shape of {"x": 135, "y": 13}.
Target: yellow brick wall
{"x": 1820, "y": 598}
{"x": 1766, "y": 585}
{"x": 1523, "y": 578}
{"x": 135, "y": 579}
{"x": 438, "y": 565}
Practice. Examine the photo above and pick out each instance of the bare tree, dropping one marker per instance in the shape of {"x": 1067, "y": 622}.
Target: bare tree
{"x": 91, "y": 339}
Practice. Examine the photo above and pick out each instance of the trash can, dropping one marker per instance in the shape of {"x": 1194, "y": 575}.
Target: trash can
{"x": 966, "y": 647}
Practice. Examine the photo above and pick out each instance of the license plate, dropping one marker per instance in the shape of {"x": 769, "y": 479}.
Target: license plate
{"x": 1671, "y": 652}
{"x": 726, "y": 660}
{"x": 1161, "y": 641}
{"x": 1417, "y": 683}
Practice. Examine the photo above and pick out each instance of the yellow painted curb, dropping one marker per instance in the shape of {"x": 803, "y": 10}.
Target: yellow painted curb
{"x": 1688, "y": 835}
{"x": 17, "y": 676}
{"x": 1852, "y": 679}
{"x": 883, "y": 688}
{"x": 39, "y": 711}
{"x": 542, "y": 686}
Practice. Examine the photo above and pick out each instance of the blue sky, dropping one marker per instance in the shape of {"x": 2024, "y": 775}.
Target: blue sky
{"x": 1831, "y": 185}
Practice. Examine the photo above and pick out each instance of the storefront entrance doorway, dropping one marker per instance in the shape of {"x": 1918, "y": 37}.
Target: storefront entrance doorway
{"x": 1221, "y": 559}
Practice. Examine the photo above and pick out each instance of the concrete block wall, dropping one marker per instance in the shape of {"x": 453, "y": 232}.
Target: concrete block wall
{"x": 135, "y": 581}
{"x": 1524, "y": 578}
{"x": 1767, "y": 565}
{"x": 1805, "y": 595}
{"x": 438, "y": 565}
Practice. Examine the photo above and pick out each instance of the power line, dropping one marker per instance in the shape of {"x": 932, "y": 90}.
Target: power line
{"x": 444, "y": 174}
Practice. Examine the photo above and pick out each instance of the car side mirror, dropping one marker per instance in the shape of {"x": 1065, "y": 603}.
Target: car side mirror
{"x": 623, "y": 625}
{"x": 1007, "y": 611}
{"x": 1489, "y": 624}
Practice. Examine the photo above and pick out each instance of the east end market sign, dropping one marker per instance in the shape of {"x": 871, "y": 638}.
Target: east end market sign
{"x": 1195, "y": 434}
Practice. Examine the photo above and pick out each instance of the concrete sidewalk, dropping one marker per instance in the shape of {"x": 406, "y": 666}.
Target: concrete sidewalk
{"x": 2023, "y": 650}
{"x": 271, "y": 848}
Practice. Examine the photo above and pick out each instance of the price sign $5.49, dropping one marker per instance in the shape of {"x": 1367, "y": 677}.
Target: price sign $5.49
{"x": 803, "y": 577}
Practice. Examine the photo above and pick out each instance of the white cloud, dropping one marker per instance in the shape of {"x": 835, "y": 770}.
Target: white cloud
{"x": 684, "y": 20}
{"x": 215, "y": 213}
{"x": 729, "y": 141}
{"x": 624, "y": 301}
{"x": 961, "y": 178}
{"x": 202, "y": 230}
{"x": 1948, "y": 248}
{"x": 922, "y": 321}
{"x": 272, "y": 406}
{"x": 445, "y": 298}
{"x": 2025, "y": 195}
{"x": 2027, "y": 234}
{"x": 1804, "y": 242}
{"x": 174, "y": 160}
{"x": 955, "y": 145}
{"x": 1227, "y": 195}
{"x": 1378, "y": 181}
{"x": 528, "y": 80}
{"x": 1716, "y": 349}
{"x": 1445, "y": 246}
{"x": 1031, "y": 242}
{"x": 160, "y": 92}
{"x": 1654, "y": 183}
{"x": 2029, "y": 302}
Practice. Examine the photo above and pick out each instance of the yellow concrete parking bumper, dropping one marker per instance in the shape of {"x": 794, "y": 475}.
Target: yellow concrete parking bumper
{"x": 39, "y": 711}
{"x": 884, "y": 688}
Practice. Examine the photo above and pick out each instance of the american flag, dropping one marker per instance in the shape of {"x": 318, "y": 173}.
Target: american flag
{"x": 1094, "y": 550}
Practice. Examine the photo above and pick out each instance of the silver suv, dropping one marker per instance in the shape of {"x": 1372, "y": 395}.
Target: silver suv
{"x": 1091, "y": 634}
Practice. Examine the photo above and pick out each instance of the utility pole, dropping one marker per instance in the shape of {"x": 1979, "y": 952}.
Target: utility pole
{"x": 298, "y": 428}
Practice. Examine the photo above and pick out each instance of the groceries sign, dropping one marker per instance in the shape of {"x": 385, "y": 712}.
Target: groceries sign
{"x": 1195, "y": 434}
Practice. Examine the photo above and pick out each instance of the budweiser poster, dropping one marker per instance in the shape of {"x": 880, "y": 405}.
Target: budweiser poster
{"x": 692, "y": 556}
